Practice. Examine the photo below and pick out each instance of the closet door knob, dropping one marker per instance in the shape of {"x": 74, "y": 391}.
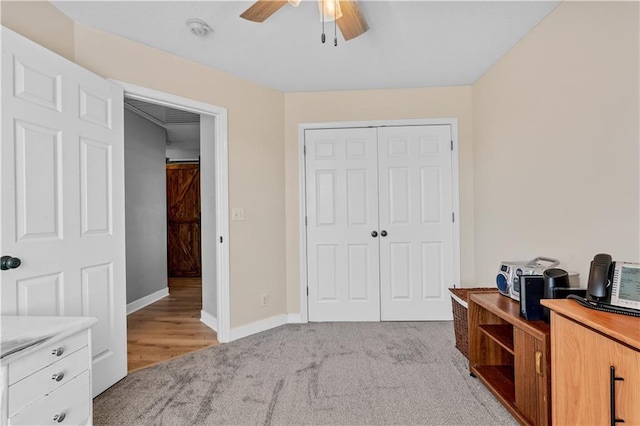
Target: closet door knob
{"x": 59, "y": 417}
{"x": 374, "y": 234}
{"x": 383, "y": 233}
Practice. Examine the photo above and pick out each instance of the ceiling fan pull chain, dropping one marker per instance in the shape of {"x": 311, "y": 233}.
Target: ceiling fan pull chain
{"x": 335, "y": 23}
{"x": 322, "y": 37}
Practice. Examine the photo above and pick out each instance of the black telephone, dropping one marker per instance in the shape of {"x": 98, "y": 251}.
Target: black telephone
{"x": 612, "y": 287}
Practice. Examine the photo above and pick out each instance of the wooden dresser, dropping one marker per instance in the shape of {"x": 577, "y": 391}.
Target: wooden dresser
{"x": 46, "y": 370}
{"x": 510, "y": 356}
{"x": 595, "y": 359}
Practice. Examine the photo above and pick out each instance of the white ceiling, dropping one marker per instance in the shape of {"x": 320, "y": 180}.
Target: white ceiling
{"x": 409, "y": 43}
{"x": 161, "y": 114}
{"x": 182, "y": 127}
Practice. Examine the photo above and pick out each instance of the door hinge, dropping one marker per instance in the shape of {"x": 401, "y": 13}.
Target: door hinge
{"x": 221, "y": 239}
{"x": 304, "y": 150}
{"x": 453, "y": 217}
{"x": 305, "y": 221}
{"x": 307, "y": 291}
{"x": 451, "y": 145}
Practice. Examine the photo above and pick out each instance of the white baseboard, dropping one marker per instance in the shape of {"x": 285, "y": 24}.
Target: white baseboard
{"x": 147, "y": 300}
{"x": 209, "y": 320}
{"x": 257, "y": 327}
{"x": 294, "y": 318}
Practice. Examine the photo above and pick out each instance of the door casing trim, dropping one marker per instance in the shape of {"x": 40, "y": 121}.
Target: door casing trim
{"x": 302, "y": 184}
{"x": 220, "y": 191}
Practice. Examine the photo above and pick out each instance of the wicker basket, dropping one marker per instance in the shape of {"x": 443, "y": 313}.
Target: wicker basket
{"x": 459, "y": 298}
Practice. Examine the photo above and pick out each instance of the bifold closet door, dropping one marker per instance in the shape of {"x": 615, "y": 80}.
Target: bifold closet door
{"x": 379, "y": 223}
{"x": 342, "y": 225}
{"x": 415, "y": 214}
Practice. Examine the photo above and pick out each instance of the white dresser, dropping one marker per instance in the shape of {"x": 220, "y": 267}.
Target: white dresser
{"x": 46, "y": 370}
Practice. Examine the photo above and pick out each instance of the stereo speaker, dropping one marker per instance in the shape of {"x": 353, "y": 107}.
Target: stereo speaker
{"x": 531, "y": 291}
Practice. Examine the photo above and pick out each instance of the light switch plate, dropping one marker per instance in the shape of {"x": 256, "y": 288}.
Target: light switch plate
{"x": 237, "y": 214}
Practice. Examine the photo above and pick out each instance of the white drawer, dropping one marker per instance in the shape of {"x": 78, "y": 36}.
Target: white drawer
{"x": 73, "y": 399}
{"x": 41, "y": 383}
{"x": 23, "y": 367}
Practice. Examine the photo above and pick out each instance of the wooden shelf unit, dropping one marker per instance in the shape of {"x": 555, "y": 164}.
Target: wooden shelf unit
{"x": 510, "y": 356}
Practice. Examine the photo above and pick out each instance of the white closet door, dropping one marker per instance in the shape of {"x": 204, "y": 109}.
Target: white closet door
{"x": 342, "y": 212}
{"x": 416, "y": 255}
{"x": 62, "y": 210}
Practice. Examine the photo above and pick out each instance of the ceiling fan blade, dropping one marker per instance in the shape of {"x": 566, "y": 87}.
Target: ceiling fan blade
{"x": 352, "y": 24}
{"x": 262, "y": 9}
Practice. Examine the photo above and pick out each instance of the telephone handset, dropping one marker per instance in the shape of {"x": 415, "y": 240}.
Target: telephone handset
{"x": 600, "y": 278}
{"x": 612, "y": 287}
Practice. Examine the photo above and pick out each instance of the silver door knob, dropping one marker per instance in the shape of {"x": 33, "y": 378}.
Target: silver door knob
{"x": 8, "y": 262}
{"x": 59, "y": 417}
{"x": 383, "y": 233}
{"x": 374, "y": 234}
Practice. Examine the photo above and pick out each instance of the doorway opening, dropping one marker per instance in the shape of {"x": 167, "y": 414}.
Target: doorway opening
{"x": 188, "y": 238}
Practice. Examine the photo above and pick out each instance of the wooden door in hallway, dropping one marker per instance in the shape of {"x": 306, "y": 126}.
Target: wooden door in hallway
{"x": 183, "y": 220}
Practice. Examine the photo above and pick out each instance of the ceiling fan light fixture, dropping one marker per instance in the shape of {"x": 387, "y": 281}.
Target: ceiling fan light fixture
{"x": 198, "y": 27}
{"x": 329, "y": 10}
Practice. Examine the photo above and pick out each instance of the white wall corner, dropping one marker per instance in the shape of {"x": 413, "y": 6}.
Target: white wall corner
{"x": 209, "y": 320}
{"x": 294, "y": 319}
{"x": 258, "y": 326}
{"x": 147, "y": 300}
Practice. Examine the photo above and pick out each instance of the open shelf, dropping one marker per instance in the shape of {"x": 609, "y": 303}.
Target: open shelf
{"x": 500, "y": 333}
{"x": 499, "y": 379}
{"x": 510, "y": 356}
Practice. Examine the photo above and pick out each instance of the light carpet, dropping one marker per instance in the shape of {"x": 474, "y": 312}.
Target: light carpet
{"x": 387, "y": 373}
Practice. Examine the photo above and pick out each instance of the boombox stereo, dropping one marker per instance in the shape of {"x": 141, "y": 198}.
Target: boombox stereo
{"x": 508, "y": 279}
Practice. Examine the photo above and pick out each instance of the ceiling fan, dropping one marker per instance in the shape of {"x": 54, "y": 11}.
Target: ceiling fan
{"x": 350, "y": 19}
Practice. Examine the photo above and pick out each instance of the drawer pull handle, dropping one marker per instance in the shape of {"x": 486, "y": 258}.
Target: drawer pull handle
{"x": 59, "y": 417}
{"x": 58, "y": 377}
{"x": 612, "y": 395}
{"x": 57, "y": 351}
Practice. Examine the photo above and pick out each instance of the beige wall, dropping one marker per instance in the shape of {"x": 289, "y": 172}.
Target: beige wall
{"x": 370, "y": 105}
{"x": 256, "y": 141}
{"x": 41, "y": 22}
{"x": 256, "y": 163}
{"x": 556, "y": 142}
{"x": 565, "y": 99}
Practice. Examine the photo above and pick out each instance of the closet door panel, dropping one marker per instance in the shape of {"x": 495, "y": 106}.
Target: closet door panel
{"x": 342, "y": 212}
{"x": 416, "y": 255}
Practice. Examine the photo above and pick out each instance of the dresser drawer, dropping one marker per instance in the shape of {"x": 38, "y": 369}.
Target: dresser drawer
{"x": 23, "y": 367}
{"x": 41, "y": 383}
{"x": 73, "y": 400}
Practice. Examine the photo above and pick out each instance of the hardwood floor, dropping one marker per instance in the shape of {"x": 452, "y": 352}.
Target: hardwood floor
{"x": 169, "y": 327}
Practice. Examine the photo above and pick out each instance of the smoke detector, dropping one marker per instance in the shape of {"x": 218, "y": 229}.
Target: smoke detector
{"x": 199, "y": 27}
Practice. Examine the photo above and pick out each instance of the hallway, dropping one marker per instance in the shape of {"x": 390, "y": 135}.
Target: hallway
{"x": 168, "y": 328}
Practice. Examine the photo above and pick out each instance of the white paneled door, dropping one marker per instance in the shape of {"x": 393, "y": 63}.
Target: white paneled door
{"x": 379, "y": 223}
{"x": 342, "y": 212}
{"x": 416, "y": 227}
{"x": 62, "y": 212}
